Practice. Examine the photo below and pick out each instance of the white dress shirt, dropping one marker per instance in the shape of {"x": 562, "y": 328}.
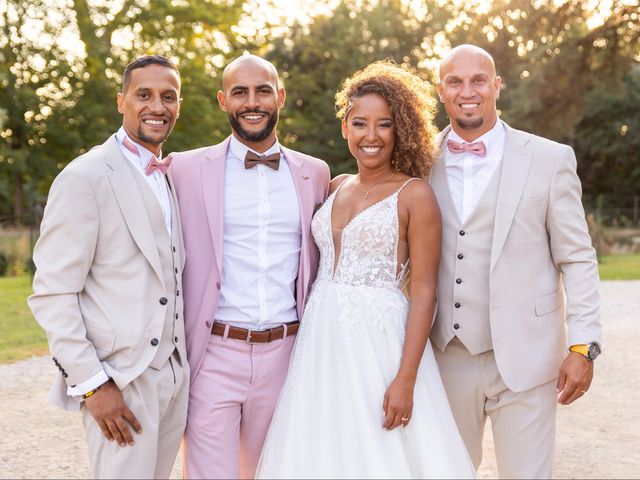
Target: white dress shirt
{"x": 468, "y": 174}
{"x": 261, "y": 242}
{"x": 158, "y": 184}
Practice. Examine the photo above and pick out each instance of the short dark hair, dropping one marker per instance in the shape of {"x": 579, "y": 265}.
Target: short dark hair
{"x": 145, "y": 61}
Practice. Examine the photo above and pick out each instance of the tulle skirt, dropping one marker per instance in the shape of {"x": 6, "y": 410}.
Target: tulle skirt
{"x": 328, "y": 421}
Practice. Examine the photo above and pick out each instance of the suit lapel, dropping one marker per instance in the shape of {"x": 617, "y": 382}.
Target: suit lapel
{"x": 516, "y": 162}
{"x": 212, "y": 184}
{"x": 132, "y": 204}
{"x": 176, "y": 223}
{"x": 304, "y": 191}
{"x": 439, "y": 181}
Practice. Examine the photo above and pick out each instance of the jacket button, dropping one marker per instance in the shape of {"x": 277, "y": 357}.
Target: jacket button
{"x": 462, "y": 232}
{"x": 458, "y": 281}
{"x": 456, "y": 326}
{"x": 460, "y": 256}
{"x": 208, "y": 324}
{"x": 177, "y": 316}
{"x": 154, "y": 342}
{"x": 64, "y": 374}
{"x": 457, "y": 305}
{"x": 176, "y": 270}
{"x": 218, "y": 285}
{"x": 174, "y": 249}
{"x": 163, "y": 300}
{"x": 175, "y": 339}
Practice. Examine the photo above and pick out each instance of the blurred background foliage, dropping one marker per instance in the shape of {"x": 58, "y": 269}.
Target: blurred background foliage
{"x": 571, "y": 72}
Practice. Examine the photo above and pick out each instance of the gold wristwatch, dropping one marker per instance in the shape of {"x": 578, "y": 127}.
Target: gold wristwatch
{"x": 590, "y": 351}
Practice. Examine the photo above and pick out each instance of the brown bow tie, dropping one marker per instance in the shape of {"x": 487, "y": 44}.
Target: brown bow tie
{"x": 251, "y": 160}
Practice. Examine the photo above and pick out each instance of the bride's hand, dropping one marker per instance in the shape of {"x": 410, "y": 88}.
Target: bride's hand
{"x": 398, "y": 403}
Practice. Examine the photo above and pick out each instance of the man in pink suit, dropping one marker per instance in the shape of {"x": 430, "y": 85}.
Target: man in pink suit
{"x": 246, "y": 207}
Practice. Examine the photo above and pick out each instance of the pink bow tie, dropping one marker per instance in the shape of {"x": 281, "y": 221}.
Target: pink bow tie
{"x": 477, "y": 148}
{"x": 154, "y": 164}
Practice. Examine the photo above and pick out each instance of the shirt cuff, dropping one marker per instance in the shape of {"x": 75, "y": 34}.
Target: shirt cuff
{"x": 92, "y": 383}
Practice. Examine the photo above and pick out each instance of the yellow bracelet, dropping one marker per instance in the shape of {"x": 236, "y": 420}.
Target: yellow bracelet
{"x": 581, "y": 349}
{"x": 89, "y": 393}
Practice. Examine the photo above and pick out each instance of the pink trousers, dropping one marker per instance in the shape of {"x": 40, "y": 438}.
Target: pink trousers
{"x": 231, "y": 402}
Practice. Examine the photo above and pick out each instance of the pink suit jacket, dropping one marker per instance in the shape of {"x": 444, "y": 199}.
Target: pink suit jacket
{"x": 198, "y": 176}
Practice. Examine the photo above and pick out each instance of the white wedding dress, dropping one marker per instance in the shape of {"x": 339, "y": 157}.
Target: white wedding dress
{"x": 328, "y": 421}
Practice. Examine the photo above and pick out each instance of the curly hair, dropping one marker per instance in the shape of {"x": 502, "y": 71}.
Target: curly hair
{"x": 412, "y": 105}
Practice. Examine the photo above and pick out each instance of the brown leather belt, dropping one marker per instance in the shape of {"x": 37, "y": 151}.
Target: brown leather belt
{"x": 256, "y": 336}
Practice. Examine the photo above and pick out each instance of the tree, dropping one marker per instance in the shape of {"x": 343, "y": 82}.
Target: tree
{"x": 314, "y": 59}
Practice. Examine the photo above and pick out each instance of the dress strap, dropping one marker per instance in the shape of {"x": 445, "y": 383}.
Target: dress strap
{"x": 405, "y": 184}
{"x": 335, "y": 192}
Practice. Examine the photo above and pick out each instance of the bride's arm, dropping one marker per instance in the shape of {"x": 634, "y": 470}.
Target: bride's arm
{"x": 423, "y": 232}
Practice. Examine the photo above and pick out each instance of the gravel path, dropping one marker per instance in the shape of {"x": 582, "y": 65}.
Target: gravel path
{"x": 598, "y": 437}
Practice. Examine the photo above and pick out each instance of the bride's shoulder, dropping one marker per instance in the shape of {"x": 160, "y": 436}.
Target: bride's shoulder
{"x": 337, "y": 181}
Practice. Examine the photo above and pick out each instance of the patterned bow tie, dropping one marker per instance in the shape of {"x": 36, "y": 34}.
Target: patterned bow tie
{"x": 251, "y": 160}
{"x": 477, "y": 148}
{"x": 154, "y": 164}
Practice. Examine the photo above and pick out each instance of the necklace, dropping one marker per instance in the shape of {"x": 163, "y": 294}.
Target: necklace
{"x": 367, "y": 192}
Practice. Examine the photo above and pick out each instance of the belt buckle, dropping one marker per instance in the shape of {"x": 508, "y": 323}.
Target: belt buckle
{"x": 248, "y": 339}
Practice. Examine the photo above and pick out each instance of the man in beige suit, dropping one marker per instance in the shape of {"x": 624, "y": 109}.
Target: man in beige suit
{"x": 107, "y": 289}
{"x": 518, "y": 274}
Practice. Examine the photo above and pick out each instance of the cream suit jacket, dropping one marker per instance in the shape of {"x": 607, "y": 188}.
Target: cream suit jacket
{"x": 543, "y": 278}
{"x": 199, "y": 180}
{"x": 100, "y": 289}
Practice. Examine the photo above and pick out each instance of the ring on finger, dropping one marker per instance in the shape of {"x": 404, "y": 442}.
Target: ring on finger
{"x": 405, "y": 419}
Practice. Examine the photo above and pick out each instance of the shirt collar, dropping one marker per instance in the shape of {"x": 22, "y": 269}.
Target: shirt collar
{"x": 239, "y": 149}
{"x": 144, "y": 154}
{"x": 493, "y": 136}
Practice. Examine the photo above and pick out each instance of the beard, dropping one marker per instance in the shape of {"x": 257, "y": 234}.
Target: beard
{"x": 153, "y": 140}
{"x": 469, "y": 123}
{"x": 258, "y": 136}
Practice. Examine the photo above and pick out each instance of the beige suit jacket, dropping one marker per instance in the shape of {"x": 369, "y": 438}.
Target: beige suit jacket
{"x": 543, "y": 271}
{"x": 99, "y": 291}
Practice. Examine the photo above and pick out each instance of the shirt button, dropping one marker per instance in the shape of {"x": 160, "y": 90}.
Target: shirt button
{"x": 218, "y": 285}
{"x": 175, "y": 339}
{"x": 456, "y": 326}
{"x": 460, "y": 256}
{"x": 462, "y": 232}
{"x": 177, "y": 293}
{"x": 458, "y": 281}
{"x": 155, "y": 342}
{"x": 457, "y": 305}
{"x": 176, "y": 270}
{"x": 177, "y": 316}
{"x": 208, "y": 324}
{"x": 174, "y": 249}
{"x": 163, "y": 300}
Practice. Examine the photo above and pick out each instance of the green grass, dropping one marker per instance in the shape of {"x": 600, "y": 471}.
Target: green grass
{"x": 620, "y": 267}
{"x": 20, "y": 335}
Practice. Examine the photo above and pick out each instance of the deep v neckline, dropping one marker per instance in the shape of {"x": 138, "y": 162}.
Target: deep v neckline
{"x": 336, "y": 258}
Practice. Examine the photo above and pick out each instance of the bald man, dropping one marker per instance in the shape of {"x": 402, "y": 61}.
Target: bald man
{"x": 247, "y": 205}
{"x": 517, "y": 327}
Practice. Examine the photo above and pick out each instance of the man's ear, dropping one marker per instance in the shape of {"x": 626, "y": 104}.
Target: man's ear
{"x": 282, "y": 95}
{"x": 221, "y": 100}
{"x": 497, "y": 83}
{"x": 119, "y": 99}
{"x": 439, "y": 88}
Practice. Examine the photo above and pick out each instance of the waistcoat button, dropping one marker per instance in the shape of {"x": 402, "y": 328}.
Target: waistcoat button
{"x": 462, "y": 232}
{"x": 163, "y": 300}
{"x": 456, "y": 326}
{"x": 460, "y": 256}
{"x": 155, "y": 342}
{"x": 457, "y": 305}
{"x": 458, "y": 281}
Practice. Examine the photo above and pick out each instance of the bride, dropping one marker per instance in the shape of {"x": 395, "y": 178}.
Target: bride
{"x": 363, "y": 397}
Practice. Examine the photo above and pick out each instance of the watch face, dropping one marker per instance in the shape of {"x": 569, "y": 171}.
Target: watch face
{"x": 594, "y": 351}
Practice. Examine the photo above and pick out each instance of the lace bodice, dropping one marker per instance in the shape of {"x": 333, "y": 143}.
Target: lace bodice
{"x": 368, "y": 248}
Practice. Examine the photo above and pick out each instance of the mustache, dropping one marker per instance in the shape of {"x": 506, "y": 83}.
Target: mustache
{"x": 252, "y": 110}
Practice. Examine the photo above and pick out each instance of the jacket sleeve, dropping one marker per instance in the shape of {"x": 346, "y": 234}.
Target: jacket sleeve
{"x": 63, "y": 257}
{"x": 572, "y": 252}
